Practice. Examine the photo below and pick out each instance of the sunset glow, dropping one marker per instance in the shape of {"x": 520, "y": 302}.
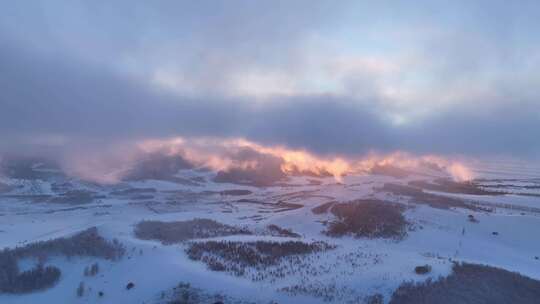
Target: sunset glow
{"x": 220, "y": 154}
{"x": 269, "y": 151}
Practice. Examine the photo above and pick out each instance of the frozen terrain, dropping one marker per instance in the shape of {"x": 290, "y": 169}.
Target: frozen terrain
{"x": 493, "y": 222}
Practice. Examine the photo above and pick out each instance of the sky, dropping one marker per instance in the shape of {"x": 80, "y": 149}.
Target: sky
{"x": 330, "y": 77}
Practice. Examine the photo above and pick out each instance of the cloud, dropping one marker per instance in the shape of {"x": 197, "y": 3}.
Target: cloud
{"x": 238, "y": 160}
{"x": 335, "y": 79}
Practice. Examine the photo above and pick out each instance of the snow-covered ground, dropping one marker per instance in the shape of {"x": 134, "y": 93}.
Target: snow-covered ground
{"x": 358, "y": 267}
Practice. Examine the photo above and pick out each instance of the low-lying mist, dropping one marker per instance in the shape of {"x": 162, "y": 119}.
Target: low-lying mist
{"x": 231, "y": 158}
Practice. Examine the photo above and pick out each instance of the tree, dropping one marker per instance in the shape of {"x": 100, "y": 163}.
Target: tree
{"x": 94, "y": 269}
{"x": 80, "y": 290}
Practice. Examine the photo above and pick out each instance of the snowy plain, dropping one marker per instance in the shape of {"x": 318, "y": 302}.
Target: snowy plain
{"x": 355, "y": 269}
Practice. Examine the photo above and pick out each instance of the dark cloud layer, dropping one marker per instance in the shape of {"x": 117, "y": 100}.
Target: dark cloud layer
{"x": 61, "y": 87}
{"x": 44, "y": 96}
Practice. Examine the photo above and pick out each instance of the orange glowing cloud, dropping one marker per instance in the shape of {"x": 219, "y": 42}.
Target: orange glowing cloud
{"x": 221, "y": 154}
{"x": 111, "y": 164}
{"x": 460, "y": 172}
{"x": 455, "y": 169}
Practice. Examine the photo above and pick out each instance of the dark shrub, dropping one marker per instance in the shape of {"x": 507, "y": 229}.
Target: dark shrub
{"x": 9, "y": 269}
{"x": 471, "y": 284}
{"x": 35, "y": 279}
{"x": 375, "y": 299}
{"x": 85, "y": 243}
{"x": 132, "y": 191}
{"x": 74, "y": 197}
{"x": 472, "y": 219}
{"x": 184, "y": 293}
{"x": 80, "y": 290}
{"x": 235, "y": 192}
{"x": 368, "y": 218}
{"x": 278, "y": 231}
{"x": 92, "y": 270}
{"x": 424, "y": 269}
{"x": 235, "y": 257}
{"x": 323, "y": 208}
{"x": 174, "y": 232}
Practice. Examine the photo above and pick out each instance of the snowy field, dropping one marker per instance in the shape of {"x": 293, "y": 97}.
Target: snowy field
{"x": 502, "y": 234}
